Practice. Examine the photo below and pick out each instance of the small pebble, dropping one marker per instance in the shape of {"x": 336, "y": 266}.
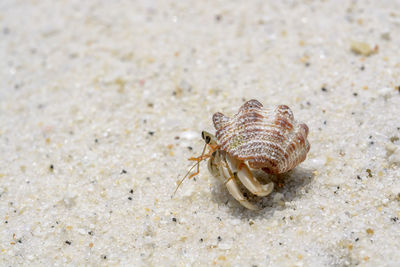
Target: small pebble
{"x": 386, "y": 36}
{"x": 394, "y": 139}
{"x": 362, "y": 48}
{"x": 81, "y": 231}
{"x": 385, "y": 92}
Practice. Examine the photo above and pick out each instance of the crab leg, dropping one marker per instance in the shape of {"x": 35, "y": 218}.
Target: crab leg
{"x": 234, "y": 190}
{"x": 251, "y": 183}
{"x": 213, "y": 166}
{"x": 233, "y": 187}
{"x": 247, "y": 179}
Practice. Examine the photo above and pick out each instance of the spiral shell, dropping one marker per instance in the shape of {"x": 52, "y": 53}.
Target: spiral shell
{"x": 268, "y": 139}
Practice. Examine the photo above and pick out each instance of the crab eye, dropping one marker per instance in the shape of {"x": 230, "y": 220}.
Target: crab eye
{"x": 206, "y": 137}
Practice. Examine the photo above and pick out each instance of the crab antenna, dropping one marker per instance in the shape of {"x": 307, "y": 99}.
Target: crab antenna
{"x": 196, "y": 164}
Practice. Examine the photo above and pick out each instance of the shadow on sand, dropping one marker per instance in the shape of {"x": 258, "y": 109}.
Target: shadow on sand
{"x": 287, "y": 187}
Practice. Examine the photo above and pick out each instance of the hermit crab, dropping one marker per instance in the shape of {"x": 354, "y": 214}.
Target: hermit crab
{"x": 255, "y": 138}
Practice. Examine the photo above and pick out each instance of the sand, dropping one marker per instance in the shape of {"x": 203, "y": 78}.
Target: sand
{"x": 102, "y": 102}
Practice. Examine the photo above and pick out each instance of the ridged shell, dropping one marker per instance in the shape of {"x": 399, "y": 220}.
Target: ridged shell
{"x": 268, "y": 139}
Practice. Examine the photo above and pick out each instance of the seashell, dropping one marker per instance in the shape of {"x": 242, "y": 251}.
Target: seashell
{"x": 268, "y": 139}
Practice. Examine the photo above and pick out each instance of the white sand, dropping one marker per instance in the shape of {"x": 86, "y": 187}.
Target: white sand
{"x": 83, "y": 83}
